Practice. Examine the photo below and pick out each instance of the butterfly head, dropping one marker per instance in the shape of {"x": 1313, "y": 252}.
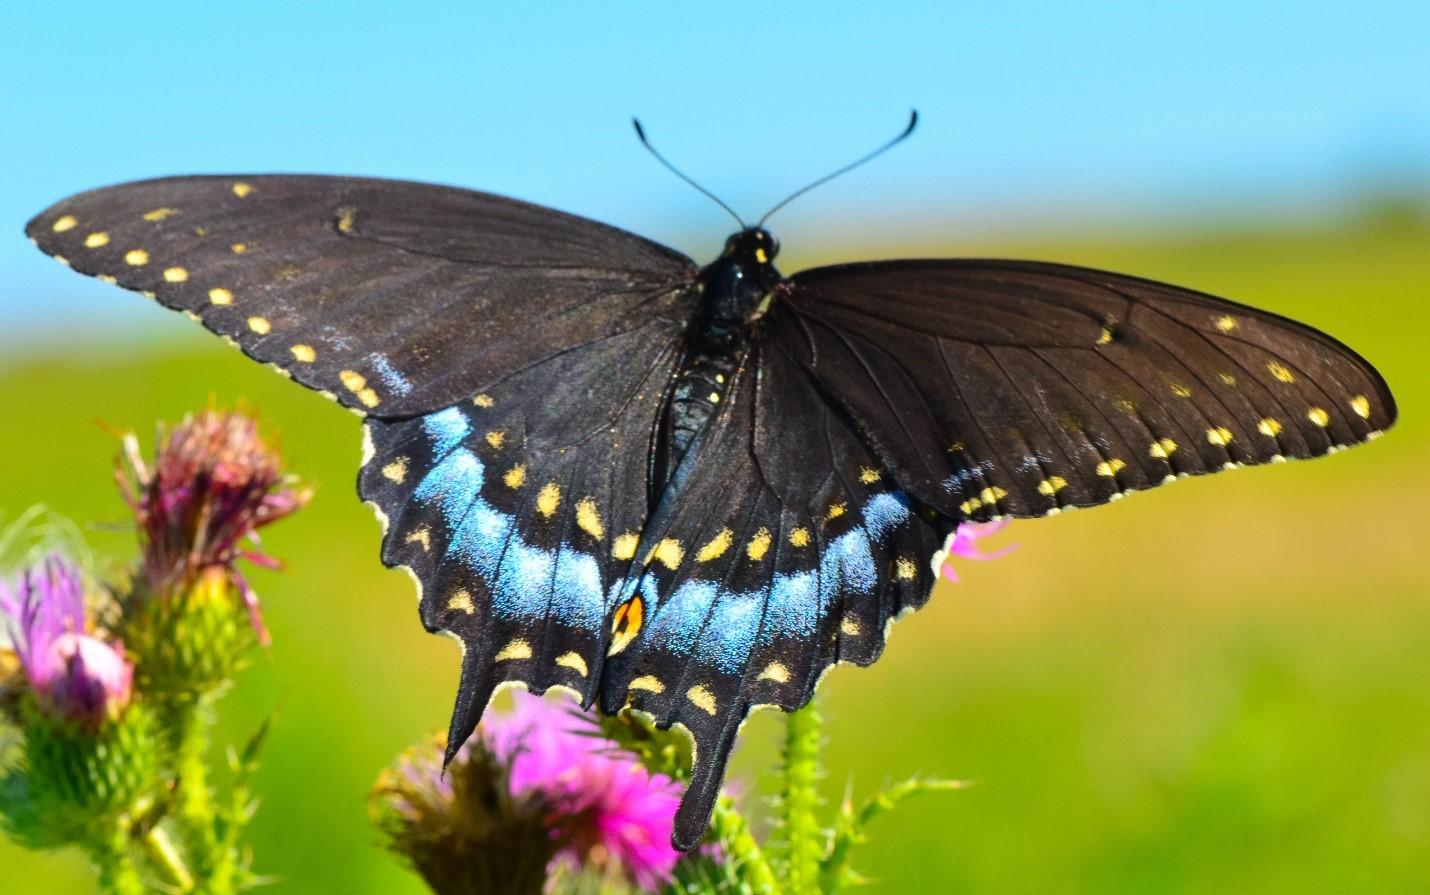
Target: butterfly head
{"x": 735, "y": 287}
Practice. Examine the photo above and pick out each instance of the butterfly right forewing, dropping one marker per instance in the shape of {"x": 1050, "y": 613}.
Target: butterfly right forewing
{"x": 999, "y": 388}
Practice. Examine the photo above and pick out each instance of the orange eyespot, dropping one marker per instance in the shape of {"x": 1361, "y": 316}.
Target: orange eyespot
{"x": 626, "y": 624}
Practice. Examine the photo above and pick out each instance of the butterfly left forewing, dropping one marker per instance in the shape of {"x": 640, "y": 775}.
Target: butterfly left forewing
{"x": 998, "y": 388}
{"x": 396, "y": 298}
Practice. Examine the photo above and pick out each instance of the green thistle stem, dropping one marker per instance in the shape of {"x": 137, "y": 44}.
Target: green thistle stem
{"x": 742, "y": 854}
{"x": 194, "y": 803}
{"x": 163, "y": 854}
{"x": 117, "y": 871}
{"x": 802, "y": 834}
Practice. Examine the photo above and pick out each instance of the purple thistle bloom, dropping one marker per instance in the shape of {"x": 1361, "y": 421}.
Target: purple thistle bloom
{"x": 214, "y": 483}
{"x": 605, "y": 808}
{"x": 73, "y": 674}
{"x": 964, "y": 543}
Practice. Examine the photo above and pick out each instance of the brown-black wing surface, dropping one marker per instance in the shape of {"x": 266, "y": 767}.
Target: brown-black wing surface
{"x": 1012, "y": 388}
{"x": 789, "y": 548}
{"x": 398, "y": 298}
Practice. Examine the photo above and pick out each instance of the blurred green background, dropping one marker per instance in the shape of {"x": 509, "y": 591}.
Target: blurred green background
{"x": 1222, "y": 686}
{"x": 1219, "y": 686}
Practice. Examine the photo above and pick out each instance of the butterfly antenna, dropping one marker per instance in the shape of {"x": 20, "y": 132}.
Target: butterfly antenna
{"x": 640, "y": 132}
{"x": 913, "y": 122}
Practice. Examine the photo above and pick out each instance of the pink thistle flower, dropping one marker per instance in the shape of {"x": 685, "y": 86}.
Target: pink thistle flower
{"x": 964, "y": 543}
{"x": 74, "y": 674}
{"x": 213, "y": 484}
{"x": 605, "y": 808}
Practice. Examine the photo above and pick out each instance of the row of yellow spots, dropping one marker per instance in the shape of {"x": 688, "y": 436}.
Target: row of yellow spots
{"x": 1162, "y": 448}
{"x": 354, "y": 382}
{"x": 519, "y": 648}
{"x": 988, "y": 497}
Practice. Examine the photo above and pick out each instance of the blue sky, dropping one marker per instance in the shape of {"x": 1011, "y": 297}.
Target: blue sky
{"x": 1069, "y": 110}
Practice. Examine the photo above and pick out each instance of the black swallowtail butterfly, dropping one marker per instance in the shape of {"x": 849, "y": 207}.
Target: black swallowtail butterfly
{"x": 691, "y": 490}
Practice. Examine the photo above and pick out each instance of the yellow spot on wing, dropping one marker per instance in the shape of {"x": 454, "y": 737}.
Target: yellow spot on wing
{"x": 260, "y": 325}
{"x": 1280, "y": 372}
{"x": 624, "y": 546}
{"x": 647, "y": 683}
{"x": 1319, "y": 417}
{"x": 1105, "y": 337}
{"x": 775, "y": 671}
{"x": 1220, "y": 435}
{"x": 1110, "y": 467}
{"x": 759, "y": 545}
{"x": 1180, "y": 390}
{"x": 1163, "y": 448}
{"x": 1361, "y": 405}
{"x": 353, "y": 381}
{"x": 868, "y": 475}
{"x": 395, "y": 471}
{"x": 482, "y": 401}
{"x": 239, "y": 248}
{"x": 588, "y": 519}
{"x": 1226, "y": 323}
{"x": 495, "y": 439}
{"x": 574, "y": 662}
{"x": 1226, "y": 379}
{"x": 702, "y": 698}
{"x": 67, "y": 222}
{"x": 835, "y": 512}
{"x": 242, "y": 189}
{"x": 799, "y": 537}
{"x": 159, "y": 214}
{"x": 906, "y": 569}
{"x": 992, "y": 495}
{"x": 516, "y": 649}
{"x": 849, "y": 625}
{"x": 516, "y": 476}
{"x": 175, "y": 275}
{"x": 421, "y": 536}
{"x": 548, "y": 499}
{"x": 221, "y": 296}
{"x": 1269, "y": 427}
{"x": 95, "y": 240}
{"x": 136, "y": 257}
{"x": 717, "y": 546}
{"x": 462, "y": 602}
{"x": 368, "y": 397}
{"x": 669, "y": 552}
{"x": 1052, "y": 485}
{"x": 304, "y": 353}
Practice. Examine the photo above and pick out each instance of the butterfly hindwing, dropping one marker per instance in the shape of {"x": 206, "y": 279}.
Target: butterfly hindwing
{"x": 789, "y": 549}
{"x": 517, "y": 511}
{"x": 1003, "y": 388}
{"x": 397, "y": 298}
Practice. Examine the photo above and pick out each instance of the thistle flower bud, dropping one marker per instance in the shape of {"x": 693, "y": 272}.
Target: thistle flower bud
{"x": 580, "y": 803}
{"x": 73, "y": 675}
{"x": 213, "y": 484}
{"x": 462, "y": 830}
{"x": 87, "y": 754}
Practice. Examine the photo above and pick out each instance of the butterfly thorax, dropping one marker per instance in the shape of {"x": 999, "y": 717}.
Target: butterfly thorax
{"x": 735, "y": 288}
{"x": 734, "y": 293}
